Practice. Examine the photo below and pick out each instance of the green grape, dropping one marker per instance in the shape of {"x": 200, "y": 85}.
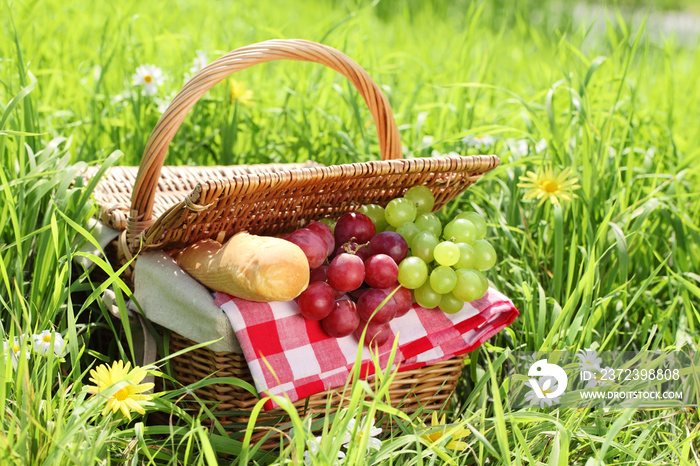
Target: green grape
{"x": 485, "y": 257}
{"x": 390, "y": 228}
{"x": 423, "y": 244}
{"x": 446, "y": 253}
{"x": 429, "y": 222}
{"x": 330, "y": 222}
{"x": 460, "y": 230}
{"x": 426, "y": 297}
{"x": 471, "y": 285}
{"x": 413, "y": 272}
{"x": 399, "y": 211}
{"x": 484, "y": 282}
{"x": 376, "y": 213}
{"x": 422, "y": 198}
{"x": 443, "y": 279}
{"x": 449, "y": 304}
{"x": 467, "y": 256}
{"x": 408, "y": 230}
{"x": 478, "y": 222}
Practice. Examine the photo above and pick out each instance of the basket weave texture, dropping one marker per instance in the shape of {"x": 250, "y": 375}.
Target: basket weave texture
{"x": 114, "y": 192}
{"x": 427, "y": 388}
{"x": 164, "y": 208}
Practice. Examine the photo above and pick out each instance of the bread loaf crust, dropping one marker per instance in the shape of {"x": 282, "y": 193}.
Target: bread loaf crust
{"x": 256, "y": 268}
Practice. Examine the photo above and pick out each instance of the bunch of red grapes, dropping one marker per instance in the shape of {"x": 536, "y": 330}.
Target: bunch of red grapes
{"x": 376, "y": 262}
{"x": 353, "y": 280}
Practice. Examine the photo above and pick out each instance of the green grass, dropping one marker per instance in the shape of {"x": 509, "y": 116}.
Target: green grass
{"x": 615, "y": 268}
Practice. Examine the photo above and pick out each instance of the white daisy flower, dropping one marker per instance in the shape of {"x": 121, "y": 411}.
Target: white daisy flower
{"x": 150, "y": 77}
{"x": 547, "y": 385}
{"x": 312, "y": 450}
{"x": 162, "y": 104}
{"x": 199, "y": 62}
{"x": 372, "y": 443}
{"x": 121, "y": 98}
{"x": 527, "y": 360}
{"x": 14, "y": 351}
{"x": 589, "y": 359}
{"x": 522, "y": 146}
{"x": 451, "y": 153}
{"x": 596, "y": 379}
{"x": 43, "y": 341}
{"x": 540, "y": 146}
{"x": 306, "y": 428}
{"x": 479, "y": 142}
{"x": 518, "y": 146}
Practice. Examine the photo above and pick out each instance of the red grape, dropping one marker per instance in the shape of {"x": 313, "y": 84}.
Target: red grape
{"x": 324, "y": 231}
{"x": 370, "y": 301}
{"x": 319, "y": 274}
{"x": 343, "y": 319}
{"x": 377, "y": 334}
{"x": 381, "y": 271}
{"x": 317, "y": 301}
{"x": 354, "y": 226}
{"x": 403, "y": 298}
{"x": 358, "y": 292}
{"x": 390, "y": 243}
{"x": 313, "y": 246}
{"x": 352, "y": 247}
{"x": 347, "y": 247}
{"x": 362, "y": 252}
{"x": 346, "y": 272}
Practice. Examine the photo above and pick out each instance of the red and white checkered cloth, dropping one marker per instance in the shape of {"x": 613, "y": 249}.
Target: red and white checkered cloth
{"x": 306, "y": 361}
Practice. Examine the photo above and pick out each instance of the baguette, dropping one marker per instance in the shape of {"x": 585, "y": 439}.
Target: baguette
{"x": 256, "y": 268}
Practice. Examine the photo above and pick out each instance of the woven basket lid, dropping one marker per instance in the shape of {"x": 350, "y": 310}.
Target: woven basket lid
{"x": 272, "y": 199}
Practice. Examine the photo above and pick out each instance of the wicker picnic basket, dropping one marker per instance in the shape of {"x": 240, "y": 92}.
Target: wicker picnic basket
{"x": 168, "y": 208}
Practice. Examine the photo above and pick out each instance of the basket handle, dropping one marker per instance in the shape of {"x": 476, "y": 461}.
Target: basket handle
{"x": 143, "y": 194}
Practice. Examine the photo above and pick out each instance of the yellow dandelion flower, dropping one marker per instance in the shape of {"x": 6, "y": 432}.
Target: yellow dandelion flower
{"x": 545, "y": 185}
{"x": 130, "y": 396}
{"x": 438, "y": 429}
{"x": 238, "y": 92}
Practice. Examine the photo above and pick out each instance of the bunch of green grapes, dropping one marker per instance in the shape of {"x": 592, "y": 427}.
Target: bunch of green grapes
{"x": 444, "y": 267}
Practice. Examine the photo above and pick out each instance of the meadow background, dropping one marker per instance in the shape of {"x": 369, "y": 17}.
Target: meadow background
{"x": 611, "y": 98}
